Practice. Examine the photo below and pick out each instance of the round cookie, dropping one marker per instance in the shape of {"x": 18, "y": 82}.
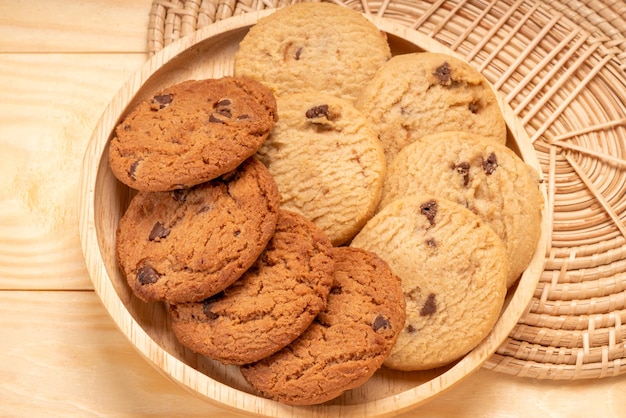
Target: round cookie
{"x": 453, "y": 270}
{"x": 270, "y": 305}
{"x": 189, "y": 244}
{"x": 191, "y": 132}
{"x": 346, "y": 343}
{"x": 313, "y": 46}
{"x": 416, "y": 94}
{"x": 327, "y": 161}
{"x": 487, "y": 178}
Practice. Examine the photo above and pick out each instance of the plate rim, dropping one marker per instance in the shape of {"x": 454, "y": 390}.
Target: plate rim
{"x": 201, "y": 384}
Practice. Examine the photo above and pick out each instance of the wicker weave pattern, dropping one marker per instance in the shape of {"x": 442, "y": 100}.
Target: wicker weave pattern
{"x": 561, "y": 66}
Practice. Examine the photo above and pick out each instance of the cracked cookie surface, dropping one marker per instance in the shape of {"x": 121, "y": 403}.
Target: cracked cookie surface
{"x": 416, "y": 94}
{"x": 313, "y": 46}
{"x": 327, "y": 161}
{"x": 191, "y": 132}
{"x": 270, "y": 305}
{"x": 186, "y": 245}
{"x": 347, "y": 342}
{"x": 486, "y": 177}
{"x": 453, "y": 270}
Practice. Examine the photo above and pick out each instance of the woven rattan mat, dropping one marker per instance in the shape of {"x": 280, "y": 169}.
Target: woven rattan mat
{"x": 561, "y": 66}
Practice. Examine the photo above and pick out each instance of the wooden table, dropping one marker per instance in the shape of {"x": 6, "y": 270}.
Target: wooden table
{"x": 60, "y": 64}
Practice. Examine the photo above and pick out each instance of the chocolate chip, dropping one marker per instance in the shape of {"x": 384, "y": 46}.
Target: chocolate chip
{"x": 243, "y": 117}
{"x": 431, "y": 243}
{"x": 443, "y": 73}
{"x": 127, "y": 127}
{"x": 429, "y": 210}
{"x": 336, "y": 290}
{"x": 132, "y": 169}
{"x": 430, "y": 306}
{"x": 490, "y": 164}
{"x": 223, "y": 102}
{"x": 380, "y": 322}
{"x": 158, "y": 231}
{"x": 474, "y": 107}
{"x": 179, "y": 195}
{"x": 206, "y": 306}
{"x": 204, "y": 208}
{"x": 161, "y": 101}
{"x": 411, "y": 329}
{"x": 298, "y": 53}
{"x": 147, "y": 275}
{"x": 214, "y": 119}
{"x": 210, "y": 314}
{"x": 463, "y": 169}
{"x": 317, "y": 111}
{"x": 224, "y": 112}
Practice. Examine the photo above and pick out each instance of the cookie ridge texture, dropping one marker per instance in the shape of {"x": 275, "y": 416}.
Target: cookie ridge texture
{"x": 453, "y": 270}
{"x": 188, "y": 244}
{"x": 312, "y": 46}
{"x": 486, "y": 177}
{"x": 419, "y": 93}
{"x": 327, "y": 161}
{"x": 348, "y": 341}
{"x": 191, "y": 132}
{"x": 270, "y": 305}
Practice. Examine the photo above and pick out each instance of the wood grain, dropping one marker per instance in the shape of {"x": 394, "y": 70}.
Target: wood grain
{"x": 74, "y": 26}
{"x": 50, "y": 105}
{"x": 63, "y": 356}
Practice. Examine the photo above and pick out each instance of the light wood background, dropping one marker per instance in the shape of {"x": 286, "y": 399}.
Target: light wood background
{"x": 61, "y": 355}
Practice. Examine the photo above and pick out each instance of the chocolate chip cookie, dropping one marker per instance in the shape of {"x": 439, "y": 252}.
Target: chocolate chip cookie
{"x": 416, "y": 94}
{"x": 270, "y": 305}
{"x": 313, "y": 46}
{"x": 486, "y": 177}
{"x": 453, "y": 269}
{"x": 186, "y": 245}
{"x": 346, "y": 343}
{"x": 327, "y": 161}
{"x": 191, "y": 132}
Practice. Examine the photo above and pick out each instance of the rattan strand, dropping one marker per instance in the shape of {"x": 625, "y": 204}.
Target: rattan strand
{"x": 561, "y": 66}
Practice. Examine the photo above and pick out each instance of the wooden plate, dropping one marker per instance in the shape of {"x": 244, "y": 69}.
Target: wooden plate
{"x": 209, "y": 53}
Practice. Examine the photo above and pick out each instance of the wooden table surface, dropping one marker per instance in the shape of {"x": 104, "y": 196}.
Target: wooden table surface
{"x": 60, "y": 64}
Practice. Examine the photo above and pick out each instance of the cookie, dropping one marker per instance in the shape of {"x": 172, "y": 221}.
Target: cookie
{"x": 313, "y": 46}
{"x": 327, "y": 161}
{"x": 416, "y": 94}
{"x": 189, "y": 244}
{"x": 191, "y": 132}
{"x": 346, "y": 343}
{"x": 486, "y": 177}
{"x": 270, "y": 305}
{"x": 453, "y": 270}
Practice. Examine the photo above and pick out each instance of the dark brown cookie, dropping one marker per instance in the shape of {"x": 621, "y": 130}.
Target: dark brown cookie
{"x": 346, "y": 343}
{"x": 270, "y": 305}
{"x": 191, "y": 132}
{"x": 189, "y": 244}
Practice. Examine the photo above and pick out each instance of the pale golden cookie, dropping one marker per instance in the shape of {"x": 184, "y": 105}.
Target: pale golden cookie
{"x": 416, "y": 94}
{"x": 486, "y": 177}
{"x": 313, "y": 46}
{"x": 327, "y": 161}
{"x": 453, "y": 270}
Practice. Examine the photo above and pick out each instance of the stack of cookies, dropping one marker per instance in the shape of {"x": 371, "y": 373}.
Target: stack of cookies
{"x": 404, "y": 156}
{"x": 246, "y": 281}
{"x": 328, "y": 209}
